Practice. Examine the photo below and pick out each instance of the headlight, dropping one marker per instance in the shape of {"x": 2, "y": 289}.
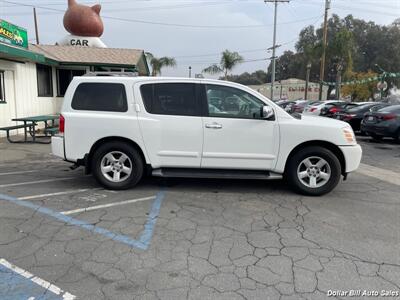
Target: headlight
{"x": 349, "y": 134}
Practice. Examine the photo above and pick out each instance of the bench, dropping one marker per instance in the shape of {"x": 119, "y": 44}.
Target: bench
{"x": 10, "y": 128}
{"x": 51, "y": 130}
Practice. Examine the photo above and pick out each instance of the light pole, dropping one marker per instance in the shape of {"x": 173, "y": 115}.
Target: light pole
{"x": 382, "y": 78}
{"x": 307, "y": 80}
{"x": 190, "y": 72}
{"x": 339, "y": 69}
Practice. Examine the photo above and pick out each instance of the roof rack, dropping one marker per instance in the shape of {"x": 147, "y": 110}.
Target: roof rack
{"x": 114, "y": 74}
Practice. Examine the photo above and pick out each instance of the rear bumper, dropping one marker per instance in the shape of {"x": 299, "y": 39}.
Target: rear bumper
{"x": 379, "y": 129}
{"x": 57, "y": 146}
{"x": 352, "y": 156}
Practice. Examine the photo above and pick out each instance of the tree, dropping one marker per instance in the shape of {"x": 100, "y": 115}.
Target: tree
{"x": 358, "y": 44}
{"x": 158, "y": 63}
{"x": 228, "y": 61}
{"x": 255, "y": 78}
{"x": 363, "y": 91}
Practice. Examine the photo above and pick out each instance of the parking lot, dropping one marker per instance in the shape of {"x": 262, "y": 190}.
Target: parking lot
{"x": 196, "y": 239}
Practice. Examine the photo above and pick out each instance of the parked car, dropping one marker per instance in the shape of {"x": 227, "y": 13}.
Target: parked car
{"x": 120, "y": 128}
{"x": 330, "y": 109}
{"x": 315, "y": 108}
{"x": 354, "y": 115}
{"x": 286, "y": 104}
{"x": 299, "y": 106}
{"x": 383, "y": 123}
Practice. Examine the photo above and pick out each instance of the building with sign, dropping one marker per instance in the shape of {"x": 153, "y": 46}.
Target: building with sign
{"x": 34, "y": 78}
{"x": 292, "y": 89}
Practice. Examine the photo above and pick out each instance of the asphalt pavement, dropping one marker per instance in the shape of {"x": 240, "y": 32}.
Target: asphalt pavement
{"x": 64, "y": 237}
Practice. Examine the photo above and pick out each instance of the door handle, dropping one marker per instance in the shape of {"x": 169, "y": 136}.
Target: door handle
{"x": 214, "y": 126}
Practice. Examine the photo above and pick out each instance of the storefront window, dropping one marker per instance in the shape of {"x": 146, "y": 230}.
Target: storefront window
{"x": 2, "y": 88}
{"x": 64, "y": 77}
{"x": 44, "y": 81}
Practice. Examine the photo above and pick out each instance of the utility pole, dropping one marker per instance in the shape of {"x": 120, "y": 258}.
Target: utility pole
{"x": 274, "y": 46}
{"x": 36, "y": 26}
{"x": 322, "y": 71}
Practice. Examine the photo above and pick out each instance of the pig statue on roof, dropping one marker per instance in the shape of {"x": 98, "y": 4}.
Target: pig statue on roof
{"x": 84, "y": 24}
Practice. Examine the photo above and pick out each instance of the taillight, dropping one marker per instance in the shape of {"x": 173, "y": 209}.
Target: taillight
{"x": 388, "y": 117}
{"x": 313, "y": 109}
{"x": 333, "y": 110}
{"x": 61, "y": 125}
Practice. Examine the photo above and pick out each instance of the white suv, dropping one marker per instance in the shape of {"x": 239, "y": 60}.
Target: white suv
{"x": 121, "y": 128}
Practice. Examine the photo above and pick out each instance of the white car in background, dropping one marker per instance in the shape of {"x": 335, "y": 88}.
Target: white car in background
{"x": 315, "y": 109}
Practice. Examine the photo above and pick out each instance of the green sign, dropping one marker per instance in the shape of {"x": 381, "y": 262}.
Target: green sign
{"x": 13, "y": 35}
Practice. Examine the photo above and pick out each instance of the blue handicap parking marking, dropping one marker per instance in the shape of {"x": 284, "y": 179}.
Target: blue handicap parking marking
{"x": 143, "y": 242}
{"x": 14, "y": 285}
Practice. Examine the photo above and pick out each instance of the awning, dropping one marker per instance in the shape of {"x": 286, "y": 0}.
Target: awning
{"x": 19, "y": 54}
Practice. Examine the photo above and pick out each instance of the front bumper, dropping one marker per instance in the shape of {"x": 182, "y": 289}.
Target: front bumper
{"x": 352, "y": 156}
{"x": 57, "y": 146}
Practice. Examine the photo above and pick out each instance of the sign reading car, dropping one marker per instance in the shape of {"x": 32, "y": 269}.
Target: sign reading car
{"x": 13, "y": 35}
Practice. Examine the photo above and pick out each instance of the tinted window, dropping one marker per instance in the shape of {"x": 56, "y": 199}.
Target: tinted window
{"x": 44, "y": 80}
{"x": 227, "y": 102}
{"x": 64, "y": 77}
{"x": 100, "y": 97}
{"x": 170, "y": 99}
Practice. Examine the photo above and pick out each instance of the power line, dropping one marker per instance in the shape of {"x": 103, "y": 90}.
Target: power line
{"x": 169, "y": 24}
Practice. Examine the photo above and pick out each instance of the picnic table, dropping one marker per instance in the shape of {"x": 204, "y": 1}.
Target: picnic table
{"x": 30, "y": 124}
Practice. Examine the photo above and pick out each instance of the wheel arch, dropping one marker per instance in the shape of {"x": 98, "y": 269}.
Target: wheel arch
{"x": 330, "y": 146}
{"x": 102, "y": 141}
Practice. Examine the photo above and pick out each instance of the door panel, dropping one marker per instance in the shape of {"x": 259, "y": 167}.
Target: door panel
{"x": 235, "y": 136}
{"x": 171, "y": 124}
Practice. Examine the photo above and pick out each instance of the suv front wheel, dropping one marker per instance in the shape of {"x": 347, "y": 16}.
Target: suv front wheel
{"x": 313, "y": 171}
{"x": 117, "y": 166}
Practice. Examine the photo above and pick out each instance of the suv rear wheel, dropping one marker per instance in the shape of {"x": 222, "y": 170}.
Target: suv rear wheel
{"x": 117, "y": 166}
{"x": 313, "y": 171}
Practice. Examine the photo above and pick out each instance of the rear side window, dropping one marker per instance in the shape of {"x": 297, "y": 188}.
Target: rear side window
{"x": 177, "y": 99}
{"x": 100, "y": 97}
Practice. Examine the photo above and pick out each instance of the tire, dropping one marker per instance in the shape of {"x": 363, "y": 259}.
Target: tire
{"x": 309, "y": 180}
{"x": 118, "y": 158}
{"x": 397, "y": 137}
{"x": 377, "y": 138}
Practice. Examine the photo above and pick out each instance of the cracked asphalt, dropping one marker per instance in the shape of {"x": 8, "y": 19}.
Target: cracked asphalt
{"x": 213, "y": 239}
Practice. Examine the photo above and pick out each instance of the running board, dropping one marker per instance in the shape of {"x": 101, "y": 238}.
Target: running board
{"x": 215, "y": 173}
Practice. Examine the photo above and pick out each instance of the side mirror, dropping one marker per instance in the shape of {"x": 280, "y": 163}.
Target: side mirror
{"x": 267, "y": 112}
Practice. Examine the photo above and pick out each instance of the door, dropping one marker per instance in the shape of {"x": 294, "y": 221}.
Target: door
{"x": 171, "y": 124}
{"x": 235, "y": 135}
{"x": 7, "y": 99}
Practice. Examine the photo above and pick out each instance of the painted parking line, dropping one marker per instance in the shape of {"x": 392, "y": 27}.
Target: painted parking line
{"x": 142, "y": 243}
{"x": 19, "y": 172}
{"x": 79, "y": 210}
{"x": 35, "y": 182}
{"x": 16, "y": 283}
{"x": 379, "y": 173}
{"x": 32, "y": 162}
{"x": 58, "y": 194}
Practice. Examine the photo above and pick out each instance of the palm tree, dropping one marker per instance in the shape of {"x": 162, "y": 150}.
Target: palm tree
{"x": 228, "y": 61}
{"x": 158, "y": 63}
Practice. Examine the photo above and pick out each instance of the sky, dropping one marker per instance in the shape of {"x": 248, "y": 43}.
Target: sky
{"x": 195, "y": 32}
